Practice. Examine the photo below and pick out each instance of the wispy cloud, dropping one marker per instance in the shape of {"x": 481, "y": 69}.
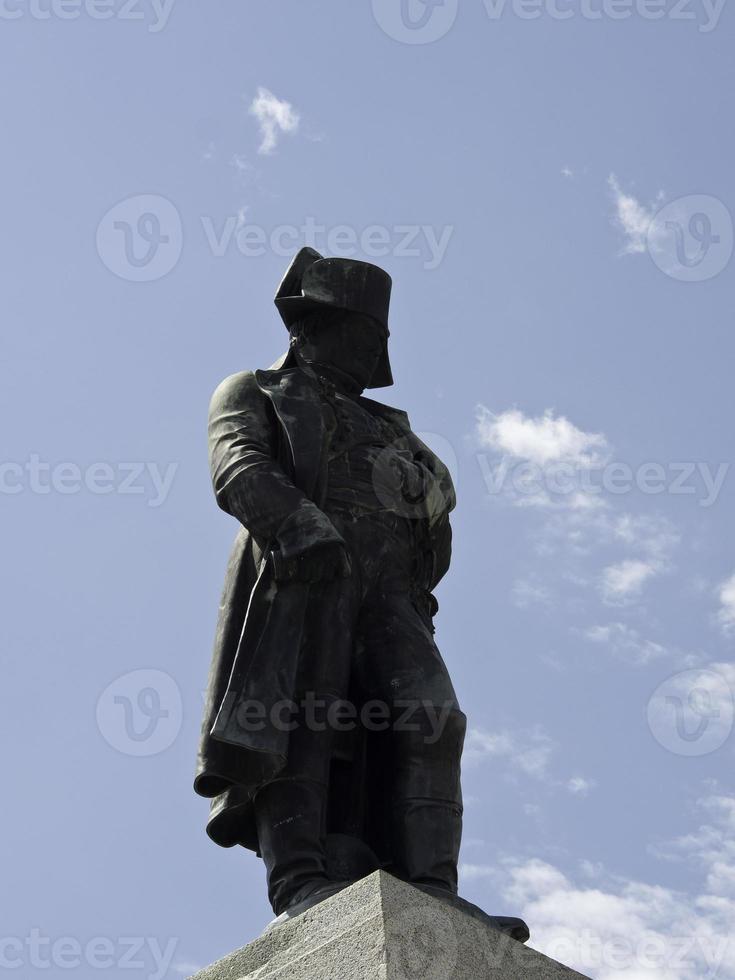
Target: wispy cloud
{"x": 711, "y": 847}
{"x": 579, "y": 786}
{"x": 527, "y": 592}
{"x": 726, "y": 613}
{"x": 275, "y": 116}
{"x": 625, "y": 642}
{"x": 549, "y": 465}
{"x": 654, "y": 538}
{"x": 652, "y": 534}
{"x": 624, "y": 580}
{"x": 530, "y": 752}
{"x": 632, "y": 217}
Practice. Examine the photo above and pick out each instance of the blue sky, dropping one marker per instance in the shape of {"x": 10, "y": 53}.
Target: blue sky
{"x": 550, "y": 185}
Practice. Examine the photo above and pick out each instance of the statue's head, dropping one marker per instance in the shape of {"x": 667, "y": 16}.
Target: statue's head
{"x": 336, "y": 311}
{"x": 342, "y": 343}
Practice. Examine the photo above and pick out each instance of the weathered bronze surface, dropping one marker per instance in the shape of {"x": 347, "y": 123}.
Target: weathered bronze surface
{"x": 332, "y": 736}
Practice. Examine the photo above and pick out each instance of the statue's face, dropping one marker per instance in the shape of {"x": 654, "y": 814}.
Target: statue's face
{"x": 352, "y": 343}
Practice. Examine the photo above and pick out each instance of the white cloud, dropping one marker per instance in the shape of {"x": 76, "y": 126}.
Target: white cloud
{"x": 654, "y": 538}
{"x": 622, "y": 929}
{"x": 526, "y": 592}
{"x": 625, "y": 579}
{"x": 632, "y": 217}
{"x": 579, "y": 786}
{"x": 711, "y": 847}
{"x": 654, "y": 535}
{"x": 471, "y": 872}
{"x": 567, "y": 172}
{"x": 528, "y": 751}
{"x": 539, "y": 461}
{"x": 547, "y": 465}
{"x": 275, "y": 116}
{"x": 242, "y": 165}
{"x": 625, "y": 642}
{"x": 541, "y": 440}
{"x": 618, "y": 928}
{"x": 242, "y": 213}
{"x": 726, "y": 614}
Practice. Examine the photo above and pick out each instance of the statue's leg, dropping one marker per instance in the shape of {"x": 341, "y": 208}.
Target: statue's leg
{"x": 290, "y": 815}
{"x": 426, "y": 801}
{"x": 291, "y": 810}
{"x": 398, "y": 662}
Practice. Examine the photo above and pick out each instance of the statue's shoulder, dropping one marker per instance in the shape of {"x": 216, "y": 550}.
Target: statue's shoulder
{"x": 246, "y": 387}
{"x": 241, "y": 382}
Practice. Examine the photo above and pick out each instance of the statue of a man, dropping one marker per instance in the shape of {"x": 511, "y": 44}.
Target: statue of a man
{"x": 332, "y": 735}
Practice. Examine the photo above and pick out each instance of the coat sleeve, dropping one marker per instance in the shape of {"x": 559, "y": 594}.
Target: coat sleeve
{"x": 248, "y": 480}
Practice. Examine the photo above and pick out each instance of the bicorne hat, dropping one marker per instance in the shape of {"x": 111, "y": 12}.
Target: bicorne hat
{"x": 313, "y": 282}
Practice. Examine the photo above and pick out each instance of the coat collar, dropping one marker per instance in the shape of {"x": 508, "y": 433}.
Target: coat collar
{"x": 292, "y": 394}
{"x": 285, "y": 364}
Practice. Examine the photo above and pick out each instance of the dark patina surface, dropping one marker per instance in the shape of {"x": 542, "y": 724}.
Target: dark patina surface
{"x": 332, "y": 737}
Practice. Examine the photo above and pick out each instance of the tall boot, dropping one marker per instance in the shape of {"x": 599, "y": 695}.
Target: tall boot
{"x": 291, "y": 819}
{"x": 426, "y": 806}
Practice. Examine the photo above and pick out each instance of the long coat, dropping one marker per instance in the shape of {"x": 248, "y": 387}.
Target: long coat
{"x": 268, "y": 448}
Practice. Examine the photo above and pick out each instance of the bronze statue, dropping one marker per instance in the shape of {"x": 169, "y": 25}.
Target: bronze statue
{"x": 332, "y": 736}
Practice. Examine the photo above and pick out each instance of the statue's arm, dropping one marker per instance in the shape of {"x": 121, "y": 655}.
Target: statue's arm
{"x": 248, "y": 480}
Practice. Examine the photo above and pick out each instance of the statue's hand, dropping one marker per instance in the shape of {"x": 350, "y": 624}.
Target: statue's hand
{"x": 411, "y": 477}
{"x": 320, "y": 564}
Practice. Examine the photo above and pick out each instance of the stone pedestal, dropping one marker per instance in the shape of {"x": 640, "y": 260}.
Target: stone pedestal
{"x": 383, "y": 929}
